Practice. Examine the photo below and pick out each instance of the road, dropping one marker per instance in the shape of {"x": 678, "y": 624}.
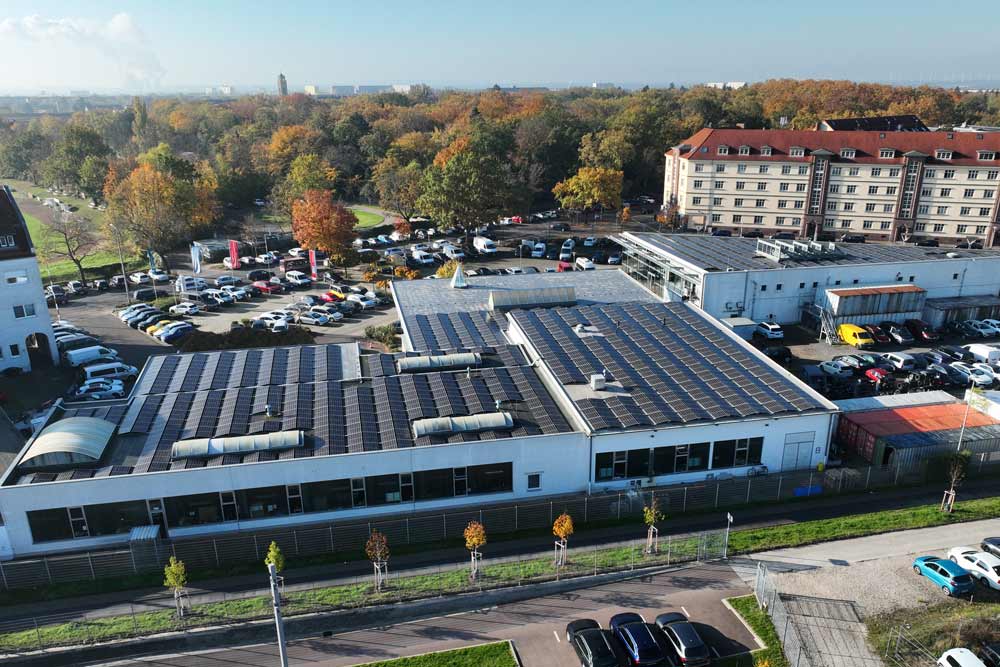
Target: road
{"x": 537, "y": 627}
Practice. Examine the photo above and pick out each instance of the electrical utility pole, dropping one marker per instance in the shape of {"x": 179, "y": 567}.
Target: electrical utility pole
{"x": 279, "y": 624}
{"x": 121, "y": 260}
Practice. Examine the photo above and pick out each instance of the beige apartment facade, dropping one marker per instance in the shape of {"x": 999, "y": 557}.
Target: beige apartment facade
{"x": 902, "y": 186}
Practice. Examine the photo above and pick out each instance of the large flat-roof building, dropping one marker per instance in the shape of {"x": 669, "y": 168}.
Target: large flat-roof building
{"x": 25, "y": 326}
{"x": 519, "y": 391}
{"x": 785, "y": 281}
{"x": 885, "y": 185}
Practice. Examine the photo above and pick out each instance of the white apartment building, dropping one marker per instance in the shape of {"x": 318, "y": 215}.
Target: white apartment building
{"x": 885, "y": 185}
{"x": 25, "y": 326}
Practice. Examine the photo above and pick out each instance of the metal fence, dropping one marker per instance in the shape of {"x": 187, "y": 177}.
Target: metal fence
{"x": 225, "y": 550}
{"x": 904, "y": 649}
{"x": 157, "y": 613}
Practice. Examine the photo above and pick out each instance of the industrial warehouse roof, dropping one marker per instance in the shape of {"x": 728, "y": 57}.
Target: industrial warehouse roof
{"x": 664, "y": 363}
{"x": 337, "y": 416}
{"x": 919, "y": 419}
{"x": 721, "y": 253}
{"x": 436, "y": 315}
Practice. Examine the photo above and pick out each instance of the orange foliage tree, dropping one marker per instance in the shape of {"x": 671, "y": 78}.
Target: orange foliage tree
{"x": 320, "y": 224}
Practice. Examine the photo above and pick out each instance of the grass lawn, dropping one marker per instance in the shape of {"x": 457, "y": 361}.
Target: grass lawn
{"x": 758, "y": 620}
{"x": 938, "y": 627}
{"x": 367, "y": 218}
{"x": 485, "y": 655}
{"x": 61, "y": 270}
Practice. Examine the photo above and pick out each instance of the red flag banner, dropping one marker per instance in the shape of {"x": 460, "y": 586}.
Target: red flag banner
{"x": 234, "y": 254}
{"x": 312, "y": 264}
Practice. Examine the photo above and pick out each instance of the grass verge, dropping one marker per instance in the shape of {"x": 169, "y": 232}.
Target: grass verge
{"x": 366, "y": 218}
{"x": 758, "y": 620}
{"x": 485, "y": 655}
{"x": 938, "y": 627}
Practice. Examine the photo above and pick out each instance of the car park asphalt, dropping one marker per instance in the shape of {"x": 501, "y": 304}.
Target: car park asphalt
{"x": 536, "y": 626}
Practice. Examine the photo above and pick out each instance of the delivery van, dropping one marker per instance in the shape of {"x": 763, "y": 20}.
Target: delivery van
{"x": 89, "y": 355}
{"x": 854, "y": 335}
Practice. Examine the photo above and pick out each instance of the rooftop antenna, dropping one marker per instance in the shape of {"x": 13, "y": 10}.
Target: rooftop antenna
{"x": 496, "y": 404}
{"x": 267, "y": 410}
{"x": 468, "y": 372}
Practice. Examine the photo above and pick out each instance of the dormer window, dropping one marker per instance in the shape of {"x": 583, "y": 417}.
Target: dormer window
{"x": 765, "y": 151}
{"x": 723, "y": 150}
{"x": 847, "y": 153}
{"x": 797, "y": 151}
{"x": 887, "y": 153}
{"x": 942, "y": 154}
{"x": 987, "y": 155}
{"x": 744, "y": 150}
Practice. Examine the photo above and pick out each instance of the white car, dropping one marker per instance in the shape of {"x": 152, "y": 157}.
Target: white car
{"x": 298, "y": 278}
{"x": 993, "y": 323}
{"x": 422, "y": 257}
{"x": 140, "y": 279}
{"x": 266, "y": 259}
{"x": 238, "y": 293}
{"x": 423, "y": 247}
{"x": 97, "y": 392}
{"x": 398, "y": 236}
{"x": 590, "y": 242}
{"x": 399, "y": 252}
{"x": 331, "y": 312}
{"x": 584, "y": 264}
{"x": 260, "y": 203}
{"x": 977, "y": 376}
{"x": 985, "y": 567}
{"x": 985, "y": 330}
{"x": 312, "y": 317}
{"x": 297, "y": 252}
{"x": 538, "y": 251}
{"x": 185, "y": 308}
{"x": 159, "y": 275}
{"x": 228, "y": 263}
{"x": 986, "y": 368}
{"x": 770, "y": 330}
{"x": 363, "y": 300}
{"x": 836, "y": 369}
{"x": 222, "y": 297}
{"x": 274, "y": 315}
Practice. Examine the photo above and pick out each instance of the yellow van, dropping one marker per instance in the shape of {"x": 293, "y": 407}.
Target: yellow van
{"x": 854, "y": 335}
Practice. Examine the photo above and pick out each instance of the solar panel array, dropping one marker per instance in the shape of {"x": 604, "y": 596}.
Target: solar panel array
{"x": 714, "y": 253}
{"x": 202, "y": 371}
{"x": 666, "y": 363}
{"x": 449, "y": 331}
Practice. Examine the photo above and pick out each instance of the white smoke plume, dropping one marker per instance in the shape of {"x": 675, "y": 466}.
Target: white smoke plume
{"x": 120, "y": 39}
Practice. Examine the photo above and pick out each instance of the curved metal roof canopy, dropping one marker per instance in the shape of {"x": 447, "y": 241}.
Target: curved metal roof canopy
{"x": 240, "y": 444}
{"x": 486, "y": 421}
{"x": 70, "y": 441}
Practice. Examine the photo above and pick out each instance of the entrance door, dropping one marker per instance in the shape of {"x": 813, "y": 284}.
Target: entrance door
{"x": 798, "y": 451}
{"x": 156, "y": 516}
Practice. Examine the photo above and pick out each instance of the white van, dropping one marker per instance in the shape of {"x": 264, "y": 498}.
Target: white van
{"x": 987, "y": 353}
{"x": 899, "y": 360}
{"x": 584, "y": 264}
{"x": 89, "y": 355}
{"x": 451, "y": 252}
{"x": 189, "y": 284}
{"x": 111, "y": 370}
{"x": 485, "y": 246}
{"x": 421, "y": 257}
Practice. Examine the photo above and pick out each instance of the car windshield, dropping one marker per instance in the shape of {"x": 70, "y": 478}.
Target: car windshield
{"x": 962, "y": 579}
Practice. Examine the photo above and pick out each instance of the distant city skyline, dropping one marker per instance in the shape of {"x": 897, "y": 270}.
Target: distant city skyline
{"x": 188, "y": 46}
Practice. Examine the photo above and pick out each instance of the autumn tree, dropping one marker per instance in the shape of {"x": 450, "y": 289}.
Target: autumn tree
{"x": 307, "y": 172}
{"x": 652, "y": 515}
{"x": 275, "y": 557}
{"x": 377, "y": 550}
{"x": 475, "y": 538}
{"x": 320, "y": 224}
{"x": 562, "y": 528}
{"x": 175, "y": 579}
{"x": 402, "y": 226}
{"x": 591, "y": 187}
{"x": 70, "y": 237}
{"x": 399, "y": 186}
{"x": 447, "y": 270}
{"x": 287, "y": 143}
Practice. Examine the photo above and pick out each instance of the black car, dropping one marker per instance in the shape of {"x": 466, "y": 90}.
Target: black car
{"x": 721, "y": 232}
{"x": 594, "y": 646}
{"x": 559, "y": 227}
{"x": 148, "y": 319}
{"x": 974, "y": 245}
{"x": 638, "y": 640}
{"x": 752, "y": 234}
{"x": 778, "y": 353}
{"x": 957, "y": 353}
{"x": 927, "y": 243}
{"x": 852, "y": 238}
{"x": 991, "y": 545}
{"x": 857, "y": 362}
{"x": 948, "y": 374}
{"x": 259, "y": 274}
{"x": 784, "y": 236}
{"x": 962, "y": 330}
{"x": 684, "y": 639}
{"x": 553, "y": 252}
{"x": 599, "y": 257}
{"x": 147, "y": 294}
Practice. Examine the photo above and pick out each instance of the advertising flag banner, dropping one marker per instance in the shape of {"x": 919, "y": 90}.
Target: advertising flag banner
{"x": 152, "y": 260}
{"x": 234, "y": 254}
{"x": 312, "y": 264}
{"x": 196, "y": 258}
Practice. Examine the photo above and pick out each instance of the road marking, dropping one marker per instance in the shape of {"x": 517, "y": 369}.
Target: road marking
{"x": 557, "y": 636}
{"x": 685, "y": 612}
{"x": 715, "y": 652}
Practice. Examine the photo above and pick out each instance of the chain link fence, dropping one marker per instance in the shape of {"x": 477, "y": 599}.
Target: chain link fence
{"x": 224, "y": 550}
{"x": 158, "y": 613}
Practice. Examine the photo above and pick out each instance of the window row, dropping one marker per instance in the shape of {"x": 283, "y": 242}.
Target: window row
{"x": 273, "y": 501}
{"x": 674, "y": 459}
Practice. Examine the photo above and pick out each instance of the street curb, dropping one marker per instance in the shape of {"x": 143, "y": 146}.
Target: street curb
{"x": 738, "y": 615}
{"x": 318, "y": 624}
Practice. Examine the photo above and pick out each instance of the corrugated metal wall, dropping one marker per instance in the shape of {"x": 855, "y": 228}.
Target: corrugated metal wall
{"x": 843, "y": 305}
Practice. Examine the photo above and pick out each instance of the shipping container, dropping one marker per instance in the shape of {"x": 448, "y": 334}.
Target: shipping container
{"x": 889, "y": 300}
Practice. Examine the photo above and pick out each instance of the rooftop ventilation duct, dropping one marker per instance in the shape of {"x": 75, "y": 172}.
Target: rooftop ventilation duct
{"x": 487, "y": 421}
{"x": 532, "y": 298}
{"x": 436, "y": 362}
{"x": 201, "y": 448}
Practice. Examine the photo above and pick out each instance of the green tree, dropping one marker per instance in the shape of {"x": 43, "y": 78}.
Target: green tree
{"x": 62, "y": 167}
{"x": 398, "y": 186}
{"x": 162, "y": 158}
{"x": 275, "y": 557}
{"x": 93, "y": 173}
{"x": 470, "y": 190}
{"x": 175, "y": 578}
{"x": 23, "y": 153}
{"x": 307, "y": 172}
{"x": 591, "y": 187}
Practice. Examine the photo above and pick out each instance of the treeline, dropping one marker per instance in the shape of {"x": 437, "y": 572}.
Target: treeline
{"x": 492, "y": 149}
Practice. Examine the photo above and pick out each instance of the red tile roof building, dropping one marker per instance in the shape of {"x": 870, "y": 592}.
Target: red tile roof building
{"x": 886, "y": 185}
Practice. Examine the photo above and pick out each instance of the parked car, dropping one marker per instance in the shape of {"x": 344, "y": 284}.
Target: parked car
{"x": 948, "y": 576}
{"x": 76, "y": 287}
{"x": 687, "y": 644}
{"x": 174, "y": 331}
{"x": 312, "y": 317}
{"x": 855, "y": 336}
{"x": 857, "y": 362}
{"x": 185, "y": 308}
{"x": 879, "y": 336}
{"x": 977, "y": 376}
{"x": 990, "y": 654}
{"x": 900, "y": 335}
{"x": 55, "y": 294}
{"x": 118, "y": 281}
{"x": 268, "y": 287}
{"x": 852, "y": 238}
{"x": 985, "y": 330}
{"x": 140, "y": 279}
{"x": 96, "y": 392}
{"x": 899, "y": 360}
{"x": 364, "y": 301}
{"x": 769, "y": 330}
{"x": 332, "y": 312}
{"x": 921, "y": 330}
{"x": 111, "y": 370}
{"x": 259, "y": 274}
{"x": 927, "y": 243}
{"x": 159, "y": 276}
{"x": 594, "y": 646}
{"x": 559, "y": 227}
{"x": 837, "y": 369}
{"x": 637, "y": 637}
{"x": 147, "y": 294}
{"x": 778, "y": 353}
{"x": 959, "y": 657}
{"x": 721, "y": 232}
{"x": 991, "y": 545}
{"x": 584, "y": 264}
{"x": 538, "y": 251}
{"x": 227, "y": 280}
{"x": 238, "y": 293}
{"x": 984, "y": 567}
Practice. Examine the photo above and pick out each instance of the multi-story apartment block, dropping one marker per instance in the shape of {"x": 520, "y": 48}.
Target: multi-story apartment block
{"x": 886, "y": 185}
{"x": 25, "y": 327}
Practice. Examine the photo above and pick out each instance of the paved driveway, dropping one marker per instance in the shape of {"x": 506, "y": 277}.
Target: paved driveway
{"x": 536, "y": 626}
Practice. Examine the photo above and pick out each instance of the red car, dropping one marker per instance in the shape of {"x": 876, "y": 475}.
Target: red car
{"x": 330, "y": 297}
{"x": 268, "y": 287}
{"x": 876, "y": 331}
{"x": 921, "y": 330}
{"x": 877, "y": 374}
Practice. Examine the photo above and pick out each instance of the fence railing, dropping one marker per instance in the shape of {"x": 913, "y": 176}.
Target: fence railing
{"x": 225, "y": 550}
{"x": 157, "y": 614}
{"x": 769, "y": 599}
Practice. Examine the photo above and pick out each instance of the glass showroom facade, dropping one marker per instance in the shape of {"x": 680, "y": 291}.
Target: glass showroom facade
{"x": 694, "y": 457}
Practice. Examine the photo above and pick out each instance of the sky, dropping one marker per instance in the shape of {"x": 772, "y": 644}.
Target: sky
{"x": 157, "y": 46}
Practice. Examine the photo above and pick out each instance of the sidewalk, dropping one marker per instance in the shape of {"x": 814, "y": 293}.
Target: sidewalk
{"x": 123, "y": 602}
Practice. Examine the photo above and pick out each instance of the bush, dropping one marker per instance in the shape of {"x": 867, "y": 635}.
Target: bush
{"x": 385, "y": 334}
{"x": 241, "y": 339}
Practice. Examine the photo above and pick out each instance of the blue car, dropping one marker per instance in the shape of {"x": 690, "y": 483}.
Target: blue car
{"x": 638, "y": 639}
{"x": 950, "y": 577}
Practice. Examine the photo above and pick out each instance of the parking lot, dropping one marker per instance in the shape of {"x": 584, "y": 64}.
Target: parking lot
{"x": 536, "y": 626}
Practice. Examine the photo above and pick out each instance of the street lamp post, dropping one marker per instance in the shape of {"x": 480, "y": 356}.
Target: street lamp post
{"x": 725, "y": 546}
{"x": 121, "y": 260}
{"x": 279, "y": 623}
{"x": 965, "y": 419}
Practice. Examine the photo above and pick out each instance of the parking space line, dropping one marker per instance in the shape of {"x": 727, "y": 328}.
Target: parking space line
{"x": 557, "y": 636}
{"x": 685, "y": 612}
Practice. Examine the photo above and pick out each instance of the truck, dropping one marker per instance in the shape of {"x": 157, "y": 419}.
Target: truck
{"x": 485, "y": 246}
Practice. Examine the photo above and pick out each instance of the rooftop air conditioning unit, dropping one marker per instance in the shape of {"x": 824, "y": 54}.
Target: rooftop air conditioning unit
{"x": 597, "y": 382}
